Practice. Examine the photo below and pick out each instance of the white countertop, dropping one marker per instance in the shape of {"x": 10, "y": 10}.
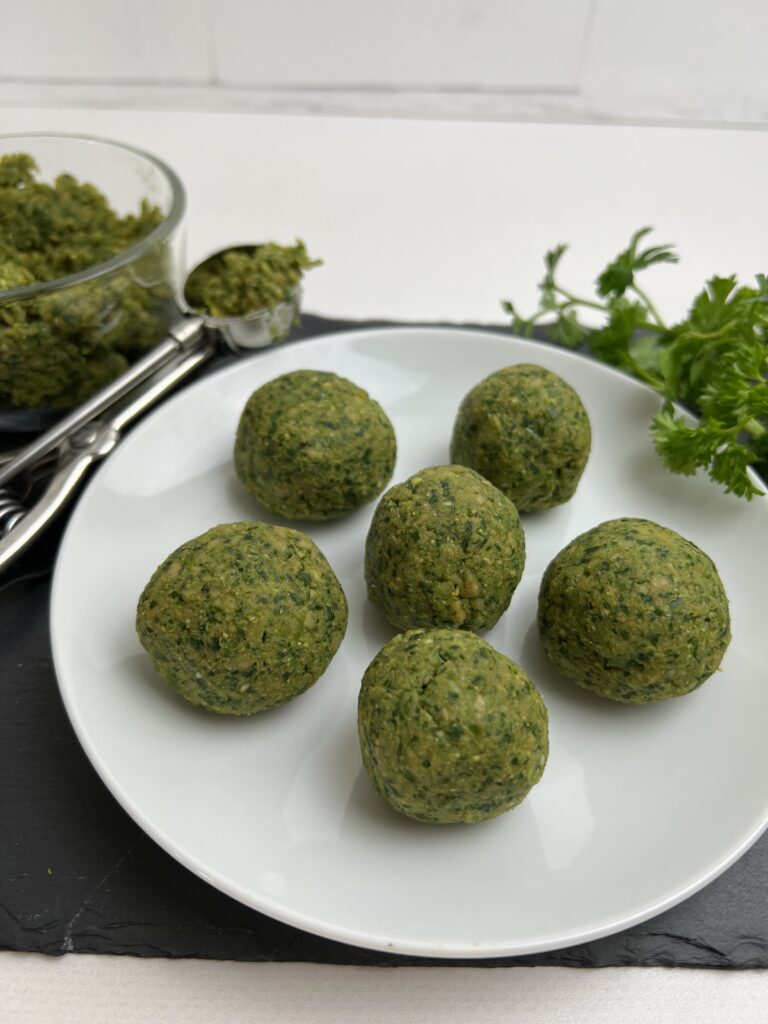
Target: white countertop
{"x": 122, "y": 990}
{"x": 440, "y": 220}
{"x": 425, "y": 221}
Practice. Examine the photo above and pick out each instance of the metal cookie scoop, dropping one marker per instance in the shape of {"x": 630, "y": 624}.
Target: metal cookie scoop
{"x": 86, "y": 435}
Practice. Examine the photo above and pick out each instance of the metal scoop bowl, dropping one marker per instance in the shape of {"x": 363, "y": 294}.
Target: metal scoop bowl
{"x": 258, "y": 329}
{"x": 89, "y": 433}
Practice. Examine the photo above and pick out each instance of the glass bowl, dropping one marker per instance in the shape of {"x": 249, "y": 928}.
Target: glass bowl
{"x": 62, "y": 340}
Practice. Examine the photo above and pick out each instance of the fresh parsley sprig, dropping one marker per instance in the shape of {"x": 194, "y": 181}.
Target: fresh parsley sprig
{"x": 714, "y": 361}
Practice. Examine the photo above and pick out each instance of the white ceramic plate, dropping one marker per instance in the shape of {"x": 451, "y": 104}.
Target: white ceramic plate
{"x": 638, "y": 806}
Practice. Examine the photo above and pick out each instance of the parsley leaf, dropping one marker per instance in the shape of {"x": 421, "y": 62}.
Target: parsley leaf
{"x": 714, "y": 361}
{"x": 619, "y": 275}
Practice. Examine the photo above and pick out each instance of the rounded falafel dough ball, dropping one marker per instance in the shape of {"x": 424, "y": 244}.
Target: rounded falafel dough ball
{"x": 311, "y": 445}
{"x": 450, "y": 729}
{"x": 526, "y": 430}
{"x": 445, "y": 548}
{"x": 243, "y": 618}
{"x": 634, "y": 612}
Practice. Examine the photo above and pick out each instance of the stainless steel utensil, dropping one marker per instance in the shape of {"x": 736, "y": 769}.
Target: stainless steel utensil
{"x": 66, "y": 452}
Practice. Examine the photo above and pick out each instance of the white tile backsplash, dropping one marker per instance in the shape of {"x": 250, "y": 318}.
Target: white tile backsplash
{"x": 683, "y": 50}
{"x": 450, "y": 44}
{"x": 684, "y": 61}
{"x": 109, "y": 40}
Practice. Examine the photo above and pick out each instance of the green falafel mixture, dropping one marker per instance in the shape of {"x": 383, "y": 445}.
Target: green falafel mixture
{"x": 450, "y": 729}
{"x": 312, "y": 445}
{"x": 634, "y": 612}
{"x": 445, "y": 548}
{"x": 524, "y": 429}
{"x": 242, "y": 618}
{"x": 247, "y": 279}
{"x": 57, "y": 348}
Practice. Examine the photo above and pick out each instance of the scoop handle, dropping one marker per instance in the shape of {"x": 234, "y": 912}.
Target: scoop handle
{"x": 182, "y": 336}
{"x": 82, "y": 449}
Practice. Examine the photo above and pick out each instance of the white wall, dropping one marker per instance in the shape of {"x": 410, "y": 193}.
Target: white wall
{"x": 688, "y": 61}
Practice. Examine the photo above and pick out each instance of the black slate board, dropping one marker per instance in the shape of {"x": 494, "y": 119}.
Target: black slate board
{"x": 77, "y": 875}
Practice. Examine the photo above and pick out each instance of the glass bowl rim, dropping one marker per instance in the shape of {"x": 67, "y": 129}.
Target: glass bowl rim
{"x": 159, "y": 234}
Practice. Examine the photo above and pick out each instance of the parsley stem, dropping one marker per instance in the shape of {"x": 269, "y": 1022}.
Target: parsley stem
{"x": 754, "y": 428}
{"x": 647, "y": 377}
{"x": 574, "y": 300}
{"x": 651, "y": 308}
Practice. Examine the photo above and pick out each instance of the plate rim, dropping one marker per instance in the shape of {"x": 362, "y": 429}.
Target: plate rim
{"x": 266, "y": 905}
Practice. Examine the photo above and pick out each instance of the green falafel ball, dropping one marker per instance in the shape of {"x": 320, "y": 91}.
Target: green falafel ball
{"x": 526, "y": 430}
{"x": 445, "y": 548}
{"x": 242, "y": 618}
{"x": 634, "y": 612}
{"x": 311, "y": 445}
{"x": 450, "y": 729}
